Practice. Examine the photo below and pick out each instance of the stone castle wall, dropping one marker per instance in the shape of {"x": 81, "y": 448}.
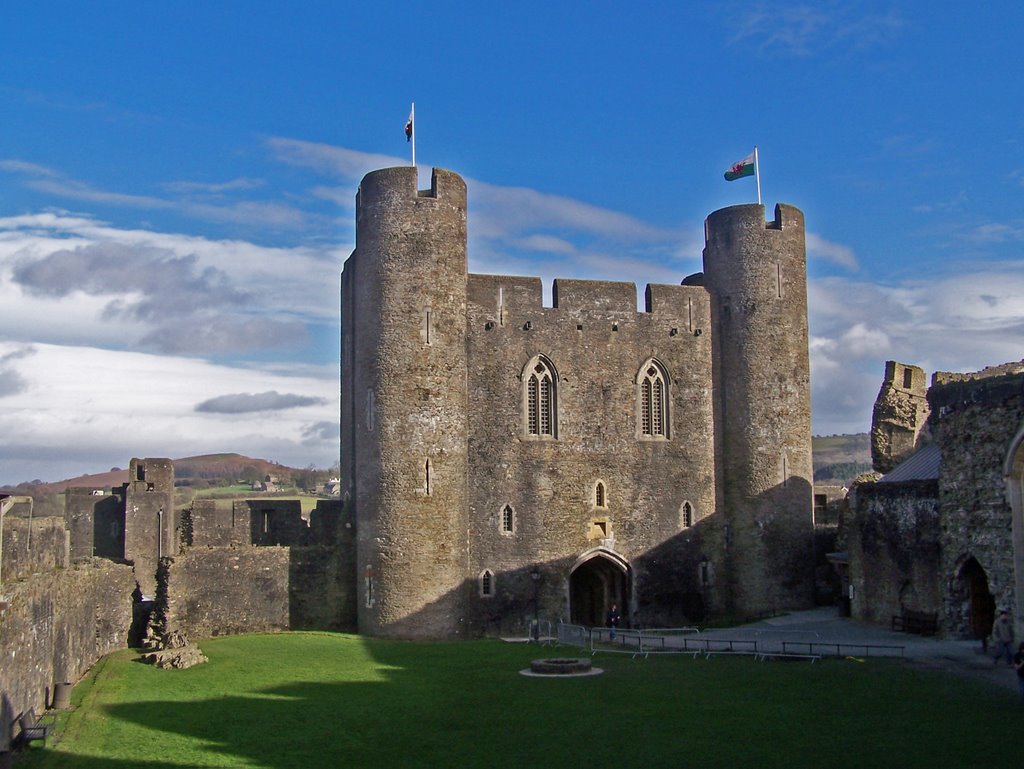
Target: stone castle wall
{"x": 948, "y": 543}
{"x": 756, "y": 272}
{"x": 974, "y": 421}
{"x": 894, "y": 550}
{"x": 55, "y": 622}
{"x": 31, "y": 546}
{"x": 598, "y": 344}
{"x": 257, "y": 566}
{"x": 470, "y": 520}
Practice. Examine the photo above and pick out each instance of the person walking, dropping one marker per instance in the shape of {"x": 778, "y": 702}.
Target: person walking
{"x": 1018, "y": 664}
{"x": 1002, "y": 634}
{"x": 613, "y": 619}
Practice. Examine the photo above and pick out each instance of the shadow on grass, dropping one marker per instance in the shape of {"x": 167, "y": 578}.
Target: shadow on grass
{"x": 463, "y": 704}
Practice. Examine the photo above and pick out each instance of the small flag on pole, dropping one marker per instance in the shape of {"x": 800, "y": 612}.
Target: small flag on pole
{"x": 736, "y": 171}
{"x": 410, "y": 130}
{"x": 746, "y": 167}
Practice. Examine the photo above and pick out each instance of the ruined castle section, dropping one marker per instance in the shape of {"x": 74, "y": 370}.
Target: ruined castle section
{"x": 755, "y": 272}
{"x": 404, "y": 394}
{"x": 900, "y": 416}
{"x": 590, "y": 426}
{"x": 150, "y": 520}
{"x": 95, "y": 522}
{"x": 895, "y": 550}
{"x": 975, "y": 418}
{"x": 56, "y": 618}
{"x": 256, "y": 566}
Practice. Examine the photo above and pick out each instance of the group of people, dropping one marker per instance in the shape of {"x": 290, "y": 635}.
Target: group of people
{"x": 1002, "y": 634}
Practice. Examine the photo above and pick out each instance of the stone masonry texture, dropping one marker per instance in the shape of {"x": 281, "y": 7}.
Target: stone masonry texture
{"x": 470, "y": 521}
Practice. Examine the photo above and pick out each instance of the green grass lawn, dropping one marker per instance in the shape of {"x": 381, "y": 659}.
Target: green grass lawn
{"x": 332, "y": 700}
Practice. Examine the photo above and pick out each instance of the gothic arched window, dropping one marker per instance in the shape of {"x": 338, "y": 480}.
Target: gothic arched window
{"x": 540, "y": 393}
{"x": 652, "y": 401}
{"x": 486, "y": 583}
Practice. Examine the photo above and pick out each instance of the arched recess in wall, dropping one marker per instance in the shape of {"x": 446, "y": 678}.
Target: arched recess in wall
{"x": 1013, "y": 476}
{"x": 970, "y": 589}
{"x": 685, "y": 515}
{"x": 540, "y": 398}
{"x": 652, "y": 401}
{"x": 598, "y": 579}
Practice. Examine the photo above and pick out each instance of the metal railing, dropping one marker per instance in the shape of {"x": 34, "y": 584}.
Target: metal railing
{"x": 689, "y": 640}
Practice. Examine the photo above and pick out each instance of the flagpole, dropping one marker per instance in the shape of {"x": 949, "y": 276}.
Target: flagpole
{"x": 757, "y": 175}
{"x": 412, "y": 139}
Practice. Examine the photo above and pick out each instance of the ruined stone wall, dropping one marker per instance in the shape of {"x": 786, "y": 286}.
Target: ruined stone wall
{"x": 95, "y": 521}
{"x": 224, "y": 583}
{"x": 32, "y": 546}
{"x": 598, "y": 345}
{"x": 229, "y": 590}
{"x": 150, "y": 518}
{"x": 894, "y": 549}
{"x": 900, "y": 415}
{"x": 58, "y": 624}
{"x": 211, "y": 523}
{"x": 974, "y": 419}
{"x": 225, "y": 591}
{"x": 273, "y": 521}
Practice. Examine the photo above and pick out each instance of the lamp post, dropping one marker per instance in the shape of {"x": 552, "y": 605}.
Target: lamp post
{"x": 535, "y": 630}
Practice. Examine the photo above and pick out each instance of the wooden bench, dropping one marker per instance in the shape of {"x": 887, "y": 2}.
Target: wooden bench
{"x": 31, "y": 728}
{"x": 919, "y": 622}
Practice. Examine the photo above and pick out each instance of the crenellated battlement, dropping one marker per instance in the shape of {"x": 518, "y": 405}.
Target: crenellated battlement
{"x": 726, "y": 222}
{"x": 520, "y": 296}
{"x": 398, "y": 187}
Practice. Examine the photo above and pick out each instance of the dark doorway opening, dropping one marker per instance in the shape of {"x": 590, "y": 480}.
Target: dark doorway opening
{"x": 981, "y": 604}
{"x": 594, "y": 586}
{"x": 142, "y": 608}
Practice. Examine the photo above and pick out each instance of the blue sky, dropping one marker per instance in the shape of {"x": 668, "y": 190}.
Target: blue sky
{"x": 177, "y": 186}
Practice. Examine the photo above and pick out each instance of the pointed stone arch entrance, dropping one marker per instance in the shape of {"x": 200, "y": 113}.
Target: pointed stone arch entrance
{"x": 598, "y": 580}
{"x": 973, "y": 593}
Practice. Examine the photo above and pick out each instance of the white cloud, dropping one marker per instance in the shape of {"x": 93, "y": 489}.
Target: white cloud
{"x": 835, "y": 253}
{"x": 124, "y": 404}
{"x": 338, "y": 162}
{"x": 941, "y": 323}
{"x": 257, "y": 214}
{"x": 804, "y": 30}
{"x": 75, "y": 280}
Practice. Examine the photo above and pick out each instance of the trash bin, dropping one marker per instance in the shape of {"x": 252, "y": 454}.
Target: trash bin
{"x": 62, "y": 696}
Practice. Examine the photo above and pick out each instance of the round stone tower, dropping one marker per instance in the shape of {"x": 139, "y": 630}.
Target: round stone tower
{"x": 404, "y": 439}
{"x": 756, "y": 273}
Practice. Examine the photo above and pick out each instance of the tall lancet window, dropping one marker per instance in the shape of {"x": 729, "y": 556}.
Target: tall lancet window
{"x": 652, "y": 401}
{"x": 541, "y": 399}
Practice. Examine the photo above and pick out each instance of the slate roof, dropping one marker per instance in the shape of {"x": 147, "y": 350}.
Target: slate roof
{"x": 922, "y": 465}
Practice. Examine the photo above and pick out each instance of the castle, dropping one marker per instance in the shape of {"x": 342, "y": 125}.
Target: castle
{"x": 506, "y": 460}
{"x": 940, "y": 535}
{"x": 501, "y": 461}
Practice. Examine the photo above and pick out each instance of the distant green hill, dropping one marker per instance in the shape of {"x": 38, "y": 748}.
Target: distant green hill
{"x": 840, "y": 458}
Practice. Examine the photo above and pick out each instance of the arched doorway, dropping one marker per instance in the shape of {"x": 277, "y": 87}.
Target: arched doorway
{"x": 1013, "y": 475}
{"x": 597, "y": 582}
{"x": 980, "y": 604}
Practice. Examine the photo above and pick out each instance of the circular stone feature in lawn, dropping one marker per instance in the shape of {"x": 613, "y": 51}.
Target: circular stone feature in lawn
{"x": 562, "y": 667}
